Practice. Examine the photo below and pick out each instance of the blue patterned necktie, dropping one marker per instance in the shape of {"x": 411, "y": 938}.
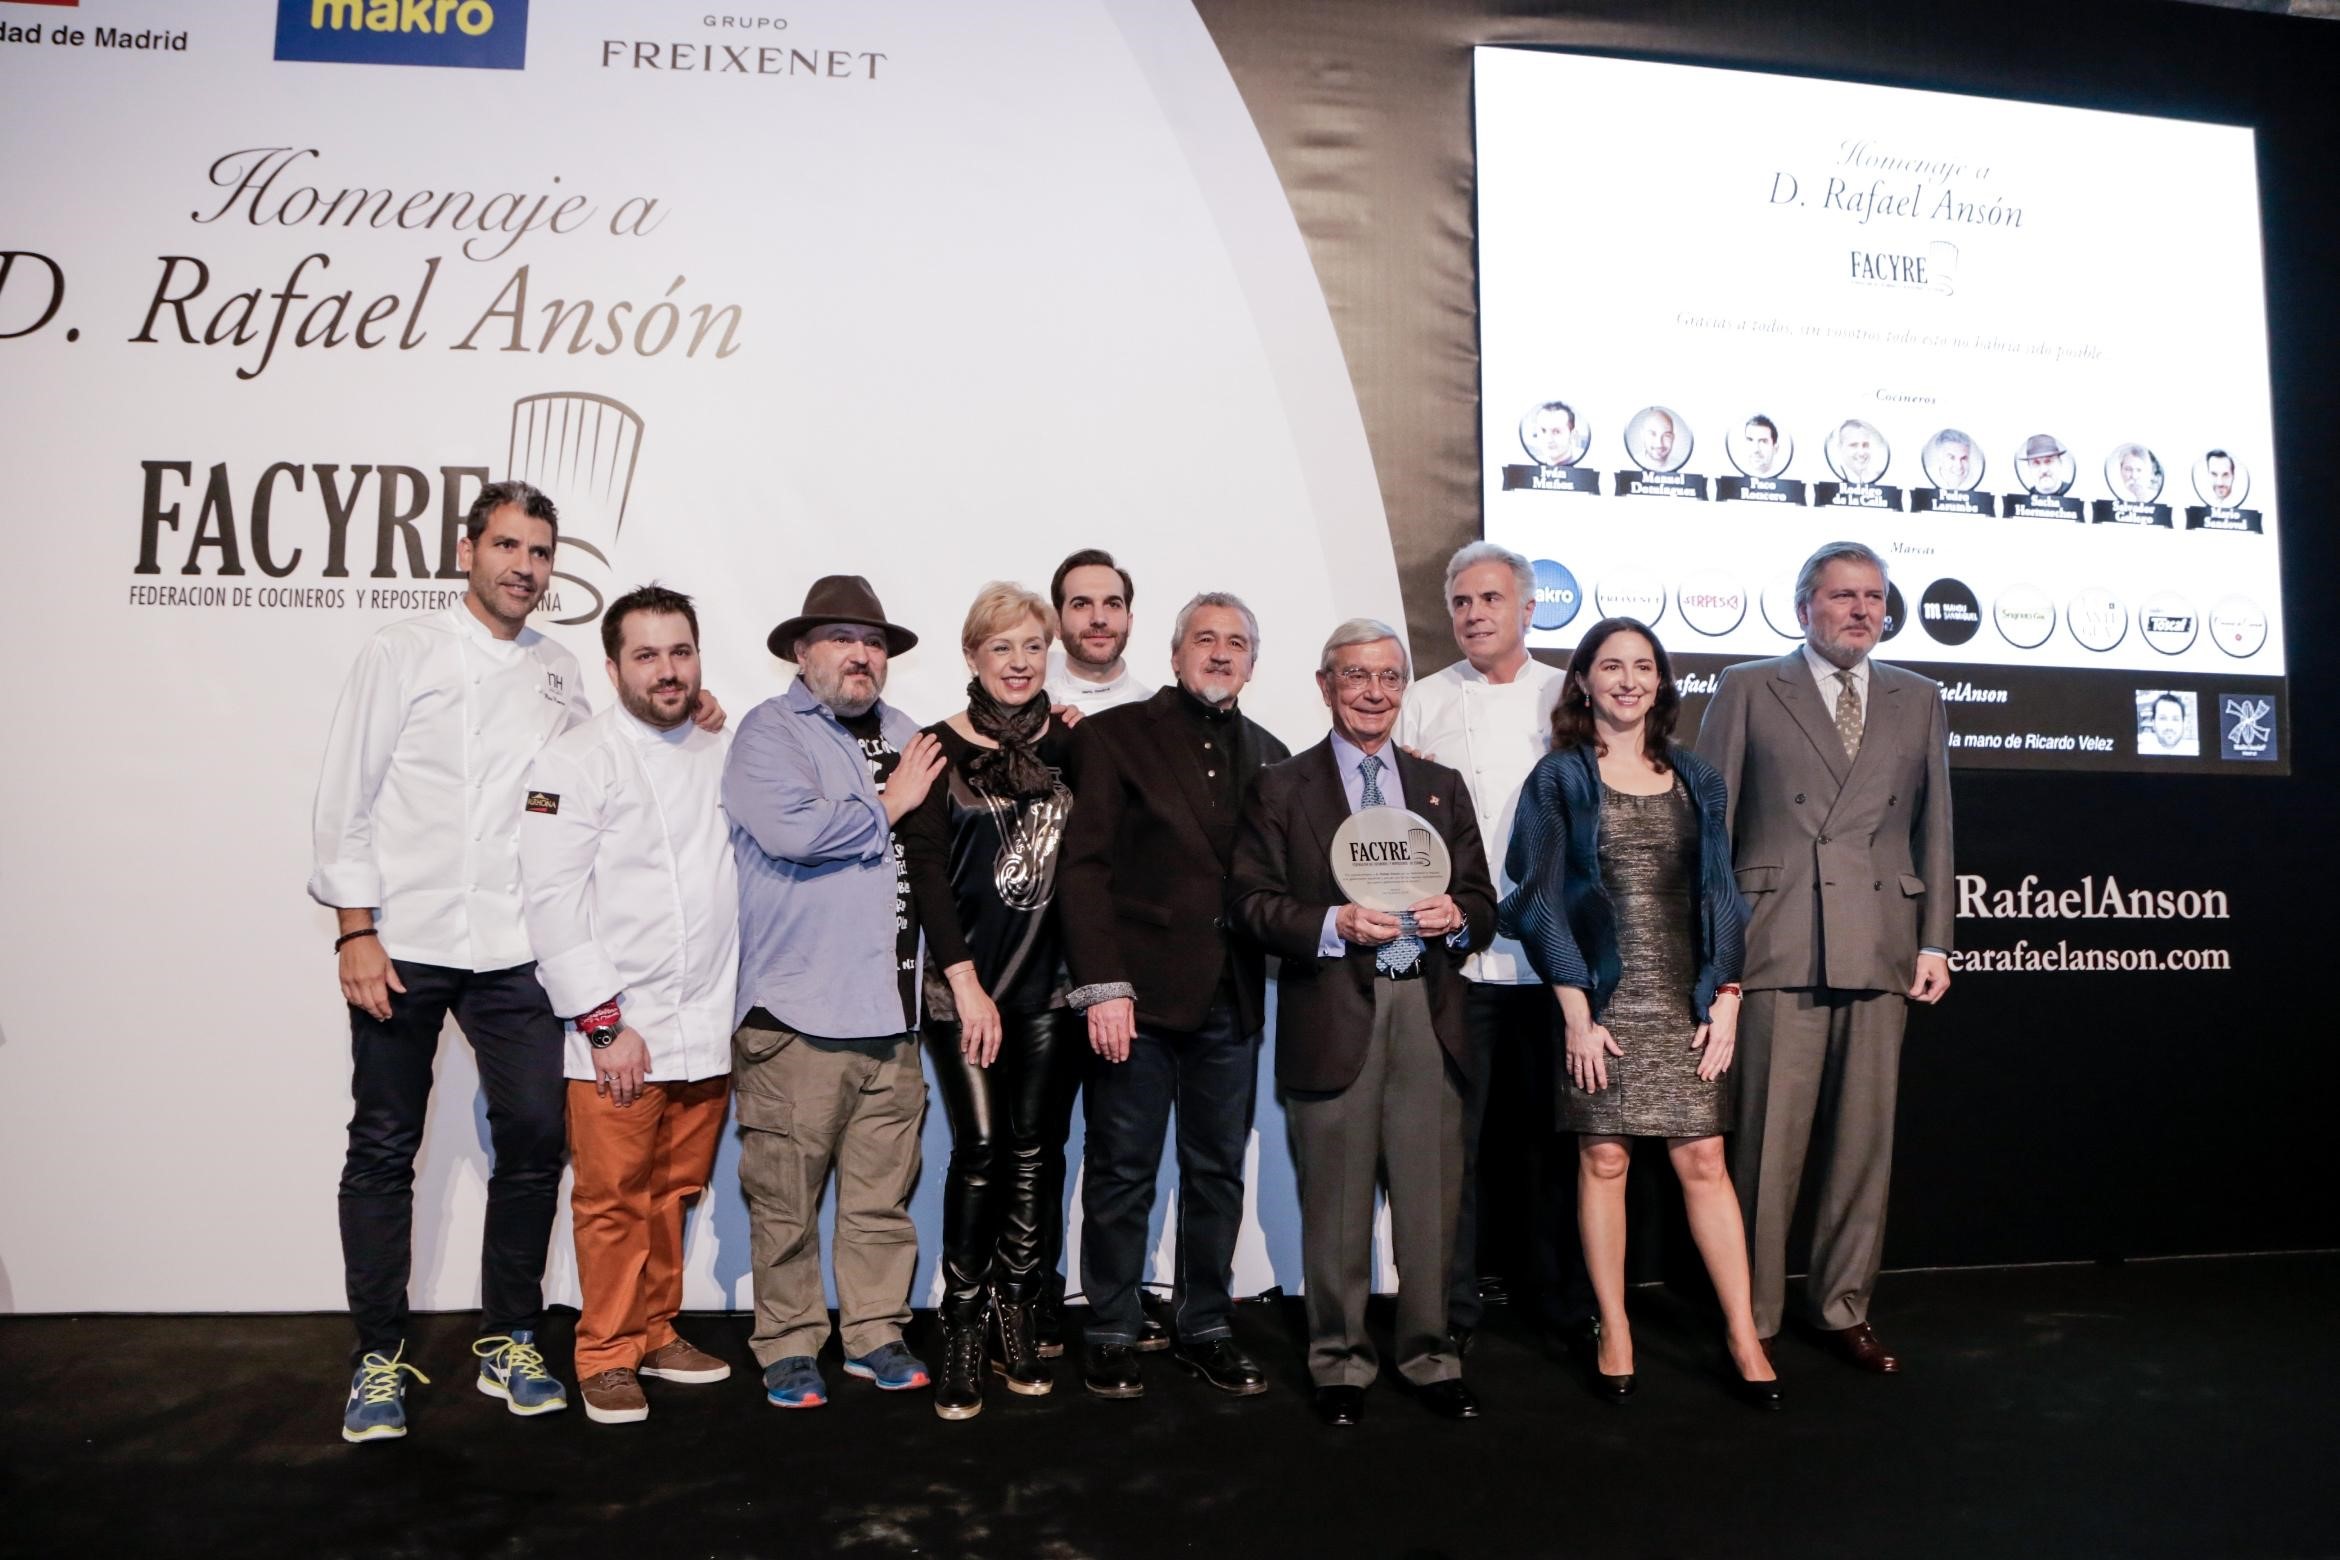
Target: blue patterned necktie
{"x": 1403, "y": 952}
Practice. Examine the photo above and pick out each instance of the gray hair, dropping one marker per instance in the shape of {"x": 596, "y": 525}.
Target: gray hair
{"x": 1523, "y": 573}
{"x": 1808, "y": 577}
{"x": 1362, "y": 631}
{"x": 1214, "y": 598}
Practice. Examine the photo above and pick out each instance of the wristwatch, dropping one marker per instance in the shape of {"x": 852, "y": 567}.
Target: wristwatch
{"x": 604, "y": 1037}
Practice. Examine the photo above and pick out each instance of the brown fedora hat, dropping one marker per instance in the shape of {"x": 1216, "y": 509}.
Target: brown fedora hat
{"x": 838, "y": 598}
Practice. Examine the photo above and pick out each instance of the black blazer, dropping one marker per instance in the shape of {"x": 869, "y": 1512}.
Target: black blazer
{"x": 1284, "y": 884}
{"x": 1142, "y": 882}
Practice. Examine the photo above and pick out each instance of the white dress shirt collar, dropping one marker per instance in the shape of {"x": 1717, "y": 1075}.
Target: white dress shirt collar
{"x": 1824, "y": 676}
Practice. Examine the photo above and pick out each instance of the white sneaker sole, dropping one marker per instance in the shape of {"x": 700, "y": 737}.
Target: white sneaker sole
{"x": 495, "y": 1389}
{"x": 686, "y": 1377}
{"x": 615, "y": 1416}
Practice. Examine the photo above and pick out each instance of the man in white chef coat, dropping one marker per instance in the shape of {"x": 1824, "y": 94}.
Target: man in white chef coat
{"x": 1489, "y": 717}
{"x": 417, "y": 825}
{"x": 632, "y": 902}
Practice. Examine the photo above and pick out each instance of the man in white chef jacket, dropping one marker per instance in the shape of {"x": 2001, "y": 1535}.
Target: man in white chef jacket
{"x": 632, "y": 901}
{"x": 416, "y": 825}
{"x": 1489, "y": 717}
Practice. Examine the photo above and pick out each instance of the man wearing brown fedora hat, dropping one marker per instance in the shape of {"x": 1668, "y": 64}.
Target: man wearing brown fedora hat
{"x": 825, "y": 1055}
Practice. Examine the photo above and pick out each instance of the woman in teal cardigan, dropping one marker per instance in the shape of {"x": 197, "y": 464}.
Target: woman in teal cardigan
{"x": 1627, "y": 907}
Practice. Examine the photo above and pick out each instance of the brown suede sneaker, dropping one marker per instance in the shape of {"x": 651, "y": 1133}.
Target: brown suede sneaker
{"x": 678, "y": 1361}
{"x": 614, "y": 1398}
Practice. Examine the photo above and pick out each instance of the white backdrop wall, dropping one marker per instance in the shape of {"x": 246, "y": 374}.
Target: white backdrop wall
{"x": 989, "y": 284}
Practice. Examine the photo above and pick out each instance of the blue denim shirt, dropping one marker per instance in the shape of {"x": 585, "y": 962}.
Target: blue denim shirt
{"x": 816, "y": 871}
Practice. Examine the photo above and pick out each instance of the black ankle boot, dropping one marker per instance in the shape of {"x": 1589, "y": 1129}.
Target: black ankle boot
{"x": 1018, "y": 1359}
{"x": 958, "y": 1389}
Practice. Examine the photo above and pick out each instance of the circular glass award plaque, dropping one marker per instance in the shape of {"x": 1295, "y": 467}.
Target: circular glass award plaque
{"x": 1386, "y": 858}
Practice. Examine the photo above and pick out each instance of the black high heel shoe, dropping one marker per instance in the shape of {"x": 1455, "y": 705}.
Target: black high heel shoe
{"x": 1608, "y": 1388}
{"x": 1755, "y": 1394}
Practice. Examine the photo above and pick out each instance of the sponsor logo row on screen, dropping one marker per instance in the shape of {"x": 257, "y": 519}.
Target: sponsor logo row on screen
{"x": 1713, "y": 604}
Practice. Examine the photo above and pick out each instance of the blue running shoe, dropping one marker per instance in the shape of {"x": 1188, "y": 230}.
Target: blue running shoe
{"x": 511, "y": 1368}
{"x": 377, "y": 1398}
{"x": 893, "y": 1367}
{"x": 795, "y": 1382}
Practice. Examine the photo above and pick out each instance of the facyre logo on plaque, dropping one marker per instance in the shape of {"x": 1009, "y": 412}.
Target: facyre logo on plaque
{"x": 1386, "y": 858}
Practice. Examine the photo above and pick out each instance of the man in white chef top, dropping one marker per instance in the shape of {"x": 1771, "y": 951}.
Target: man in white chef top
{"x": 1489, "y": 717}
{"x": 632, "y": 901}
{"x": 416, "y": 828}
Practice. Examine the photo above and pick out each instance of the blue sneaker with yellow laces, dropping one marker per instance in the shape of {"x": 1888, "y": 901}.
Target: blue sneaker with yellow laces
{"x": 511, "y": 1368}
{"x": 377, "y": 1398}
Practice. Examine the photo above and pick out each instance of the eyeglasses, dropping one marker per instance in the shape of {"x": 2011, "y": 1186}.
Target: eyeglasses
{"x": 1356, "y": 679}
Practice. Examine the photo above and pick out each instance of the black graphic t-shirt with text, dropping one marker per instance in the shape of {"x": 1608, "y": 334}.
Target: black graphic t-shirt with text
{"x": 869, "y": 731}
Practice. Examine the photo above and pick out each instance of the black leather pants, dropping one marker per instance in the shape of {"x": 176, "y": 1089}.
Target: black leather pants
{"x": 1002, "y": 1119}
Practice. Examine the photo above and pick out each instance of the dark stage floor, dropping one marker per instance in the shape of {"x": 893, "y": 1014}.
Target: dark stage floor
{"x": 2178, "y": 1408}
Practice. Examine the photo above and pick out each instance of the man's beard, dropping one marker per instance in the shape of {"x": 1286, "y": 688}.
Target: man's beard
{"x": 1216, "y": 690}
{"x": 1075, "y": 650}
{"x": 829, "y": 688}
{"x": 644, "y": 708}
{"x": 1840, "y": 653}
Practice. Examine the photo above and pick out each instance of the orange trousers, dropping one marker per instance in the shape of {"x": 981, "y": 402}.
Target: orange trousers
{"x": 638, "y": 1170}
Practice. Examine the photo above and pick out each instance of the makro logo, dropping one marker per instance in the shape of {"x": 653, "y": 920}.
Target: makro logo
{"x": 473, "y": 34}
{"x": 1557, "y": 595}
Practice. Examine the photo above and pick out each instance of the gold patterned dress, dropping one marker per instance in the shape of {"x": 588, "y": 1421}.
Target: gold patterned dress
{"x": 1649, "y": 864}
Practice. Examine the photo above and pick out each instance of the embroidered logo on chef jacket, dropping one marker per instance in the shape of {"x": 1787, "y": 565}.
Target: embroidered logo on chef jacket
{"x": 544, "y": 801}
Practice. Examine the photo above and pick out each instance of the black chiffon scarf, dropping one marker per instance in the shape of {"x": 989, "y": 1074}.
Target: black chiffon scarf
{"x": 1015, "y": 767}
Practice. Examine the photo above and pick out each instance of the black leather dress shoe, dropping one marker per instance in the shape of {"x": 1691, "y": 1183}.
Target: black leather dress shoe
{"x": 1450, "y": 1399}
{"x": 1339, "y": 1405}
{"x": 1219, "y": 1362}
{"x": 1110, "y": 1370}
{"x": 1462, "y": 1337}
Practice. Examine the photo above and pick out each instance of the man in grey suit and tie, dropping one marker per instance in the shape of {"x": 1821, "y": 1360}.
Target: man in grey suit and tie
{"x": 1839, "y": 777}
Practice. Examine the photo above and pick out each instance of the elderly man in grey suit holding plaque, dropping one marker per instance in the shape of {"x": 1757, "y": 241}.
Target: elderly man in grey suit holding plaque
{"x": 1839, "y": 777}
{"x": 1370, "y": 1025}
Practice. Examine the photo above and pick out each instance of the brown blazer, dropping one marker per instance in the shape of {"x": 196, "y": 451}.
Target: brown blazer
{"x": 1283, "y": 884}
{"x": 1143, "y": 880}
{"x": 1844, "y": 864}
